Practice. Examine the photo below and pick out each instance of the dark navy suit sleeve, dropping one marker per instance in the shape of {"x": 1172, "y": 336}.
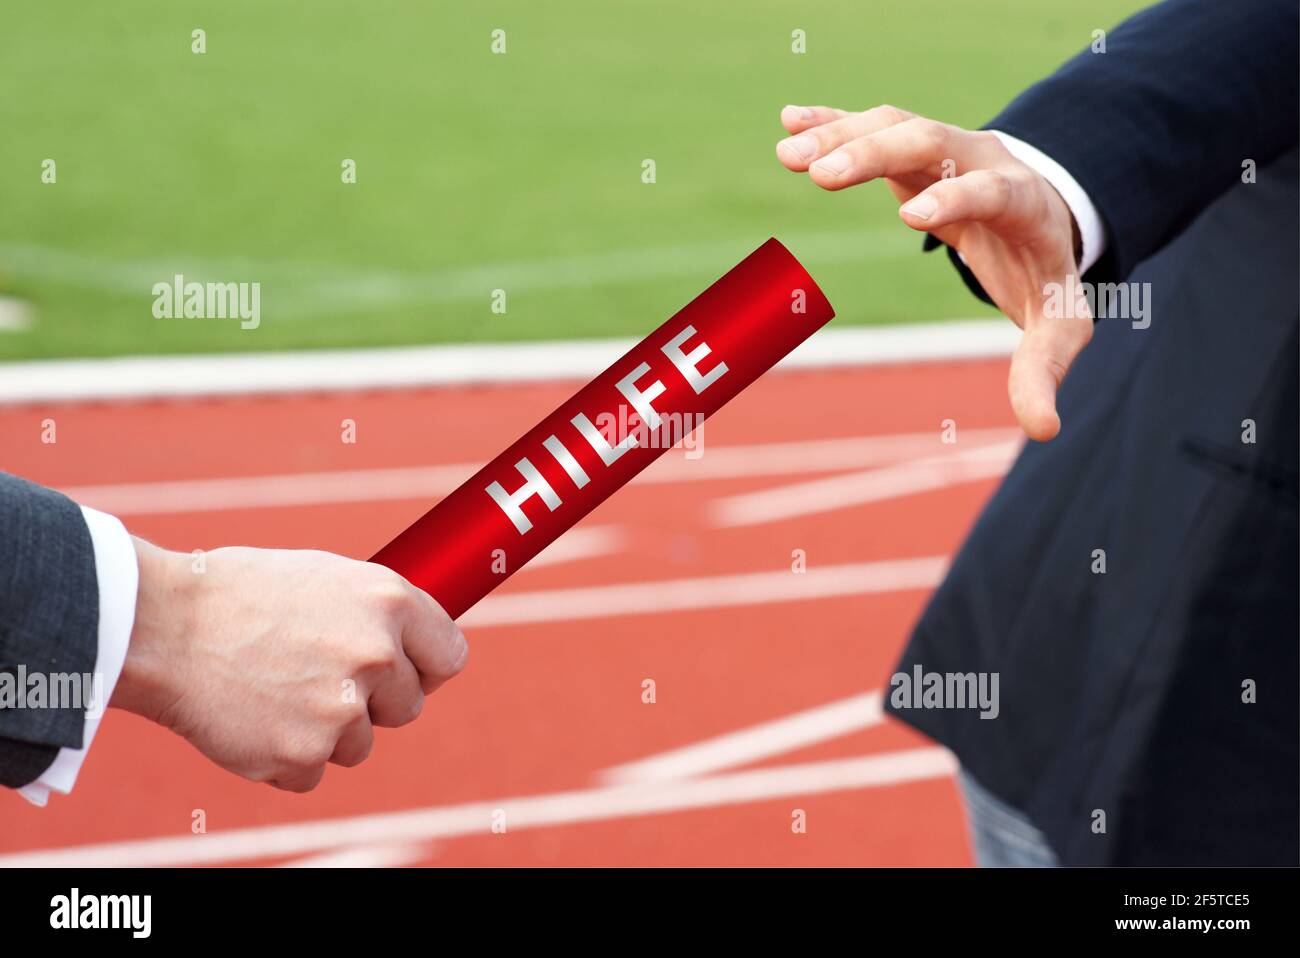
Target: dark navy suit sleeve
{"x": 1160, "y": 124}
{"x": 49, "y": 619}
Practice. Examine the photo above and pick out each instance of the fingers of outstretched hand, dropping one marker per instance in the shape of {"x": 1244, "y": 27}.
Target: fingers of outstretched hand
{"x": 980, "y": 195}
{"x": 1045, "y": 354}
{"x": 815, "y": 139}
{"x": 796, "y": 119}
{"x": 917, "y": 145}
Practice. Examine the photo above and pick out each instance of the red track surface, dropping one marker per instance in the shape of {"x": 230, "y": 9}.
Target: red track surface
{"x": 546, "y": 706}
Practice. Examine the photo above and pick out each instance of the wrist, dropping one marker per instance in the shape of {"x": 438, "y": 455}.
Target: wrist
{"x": 164, "y": 615}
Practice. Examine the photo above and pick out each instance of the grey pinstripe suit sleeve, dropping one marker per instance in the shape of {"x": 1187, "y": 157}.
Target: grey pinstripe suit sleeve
{"x": 49, "y": 617}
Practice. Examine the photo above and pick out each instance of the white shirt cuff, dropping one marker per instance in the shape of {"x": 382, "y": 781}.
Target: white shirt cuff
{"x": 1091, "y": 231}
{"x": 118, "y": 576}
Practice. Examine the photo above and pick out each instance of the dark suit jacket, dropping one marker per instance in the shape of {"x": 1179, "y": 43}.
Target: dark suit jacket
{"x": 49, "y": 618}
{"x": 1122, "y": 693}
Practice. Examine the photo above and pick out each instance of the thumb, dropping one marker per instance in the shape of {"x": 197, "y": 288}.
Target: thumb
{"x": 1046, "y": 351}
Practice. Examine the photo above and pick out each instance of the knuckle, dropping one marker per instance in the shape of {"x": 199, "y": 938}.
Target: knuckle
{"x": 303, "y": 753}
{"x": 1018, "y": 175}
{"x": 890, "y": 113}
{"x": 835, "y": 135}
{"x": 998, "y": 183}
{"x": 932, "y": 133}
{"x": 417, "y": 704}
{"x": 284, "y": 753}
{"x": 437, "y": 619}
{"x": 355, "y": 759}
{"x": 824, "y": 138}
{"x": 390, "y": 596}
{"x": 379, "y": 655}
{"x": 405, "y": 708}
{"x": 345, "y": 714}
{"x": 412, "y": 709}
{"x": 863, "y": 152}
{"x": 460, "y": 660}
{"x": 316, "y": 755}
{"x": 356, "y": 755}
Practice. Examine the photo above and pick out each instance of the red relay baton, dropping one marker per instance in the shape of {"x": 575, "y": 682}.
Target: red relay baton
{"x": 566, "y": 465}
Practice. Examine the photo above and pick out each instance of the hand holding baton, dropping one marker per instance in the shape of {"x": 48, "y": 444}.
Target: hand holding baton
{"x": 565, "y": 466}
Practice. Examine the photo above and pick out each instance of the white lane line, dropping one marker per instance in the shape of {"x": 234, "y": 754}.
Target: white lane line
{"x": 584, "y": 542}
{"x": 811, "y": 455}
{"x": 476, "y": 818}
{"x": 859, "y": 488}
{"x": 755, "y": 743}
{"x": 724, "y": 752}
{"x": 431, "y": 482}
{"x": 384, "y": 855}
{"x": 706, "y": 592}
{"x": 140, "y": 377}
{"x": 272, "y": 492}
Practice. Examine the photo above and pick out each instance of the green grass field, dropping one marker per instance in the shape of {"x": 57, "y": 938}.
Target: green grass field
{"x": 475, "y": 171}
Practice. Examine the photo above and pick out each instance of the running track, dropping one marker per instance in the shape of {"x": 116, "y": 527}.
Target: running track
{"x": 766, "y": 681}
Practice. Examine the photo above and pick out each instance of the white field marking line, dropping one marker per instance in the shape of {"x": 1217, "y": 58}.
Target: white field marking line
{"x": 334, "y": 370}
{"x": 605, "y": 268}
{"x": 475, "y": 818}
{"x": 859, "y": 488}
{"x": 298, "y": 290}
{"x": 383, "y": 855}
{"x": 755, "y": 743}
{"x": 705, "y": 592}
{"x": 15, "y": 315}
{"x": 430, "y": 482}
